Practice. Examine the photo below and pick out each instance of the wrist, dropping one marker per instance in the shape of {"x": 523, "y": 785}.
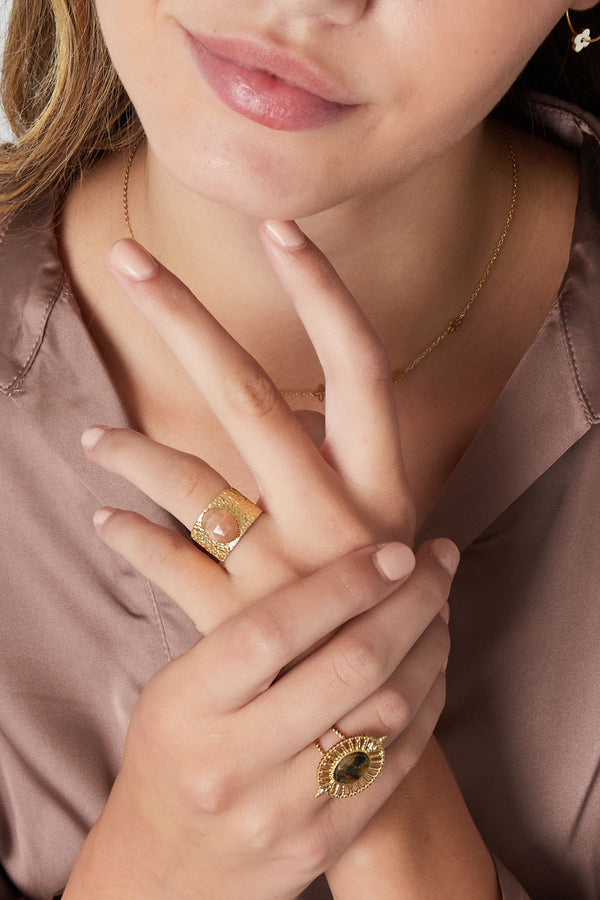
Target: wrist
{"x": 422, "y": 844}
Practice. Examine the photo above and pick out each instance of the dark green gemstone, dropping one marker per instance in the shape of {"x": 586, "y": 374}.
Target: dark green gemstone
{"x": 351, "y": 768}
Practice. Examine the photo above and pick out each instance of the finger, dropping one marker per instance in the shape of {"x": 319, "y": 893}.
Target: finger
{"x": 194, "y": 581}
{"x": 240, "y": 393}
{"x": 406, "y": 751}
{"x": 177, "y": 481}
{"x": 362, "y": 433}
{"x": 400, "y": 759}
{"x": 354, "y": 663}
{"x": 297, "y": 776}
{"x": 391, "y": 709}
{"x": 259, "y": 642}
{"x": 185, "y": 485}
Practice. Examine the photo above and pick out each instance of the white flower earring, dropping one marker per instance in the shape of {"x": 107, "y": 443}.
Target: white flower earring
{"x": 580, "y": 39}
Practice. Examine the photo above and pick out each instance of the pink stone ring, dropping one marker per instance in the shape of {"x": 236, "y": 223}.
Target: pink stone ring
{"x": 224, "y": 522}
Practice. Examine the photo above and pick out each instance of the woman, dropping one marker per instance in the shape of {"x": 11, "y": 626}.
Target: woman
{"x": 370, "y": 122}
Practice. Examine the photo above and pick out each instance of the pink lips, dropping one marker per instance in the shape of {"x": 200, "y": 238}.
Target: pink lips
{"x": 267, "y": 85}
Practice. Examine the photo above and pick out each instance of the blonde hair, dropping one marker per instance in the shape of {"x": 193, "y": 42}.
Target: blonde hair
{"x": 62, "y": 98}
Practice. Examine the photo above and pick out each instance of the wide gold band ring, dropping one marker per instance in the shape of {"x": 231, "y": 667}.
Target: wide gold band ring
{"x": 350, "y": 766}
{"x": 223, "y": 523}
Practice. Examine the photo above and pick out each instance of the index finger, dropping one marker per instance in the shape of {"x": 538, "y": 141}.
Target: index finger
{"x": 237, "y": 389}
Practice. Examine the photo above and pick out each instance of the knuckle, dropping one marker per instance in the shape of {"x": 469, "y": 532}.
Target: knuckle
{"x": 257, "y": 829}
{"x": 260, "y": 634}
{"x": 207, "y": 789}
{"x": 393, "y": 710}
{"x": 163, "y": 744}
{"x": 356, "y": 661}
{"x": 251, "y": 394}
{"x": 184, "y": 479}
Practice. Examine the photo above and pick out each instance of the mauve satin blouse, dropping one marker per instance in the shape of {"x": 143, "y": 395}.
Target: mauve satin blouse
{"x": 81, "y": 631}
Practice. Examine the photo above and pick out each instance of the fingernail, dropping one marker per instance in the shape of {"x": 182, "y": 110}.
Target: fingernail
{"x": 447, "y": 554}
{"x": 395, "y": 561}
{"x": 91, "y": 436}
{"x": 101, "y": 515}
{"x": 130, "y": 258}
{"x": 444, "y": 613}
{"x": 286, "y": 234}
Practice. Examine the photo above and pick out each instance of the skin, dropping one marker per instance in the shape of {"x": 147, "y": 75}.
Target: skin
{"x": 420, "y": 96}
{"x": 181, "y": 814}
{"x": 422, "y": 150}
{"x": 200, "y": 186}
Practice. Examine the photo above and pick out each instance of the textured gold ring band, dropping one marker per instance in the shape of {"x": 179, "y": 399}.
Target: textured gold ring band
{"x": 222, "y": 524}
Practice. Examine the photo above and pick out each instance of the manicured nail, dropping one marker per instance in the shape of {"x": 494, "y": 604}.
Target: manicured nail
{"x": 447, "y": 554}
{"x": 101, "y": 515}
{"x": 91, "y": 436}
{"x": 395, "y": 561}
{"x": 286, "y": 234}
{"x": 130, "y": 258}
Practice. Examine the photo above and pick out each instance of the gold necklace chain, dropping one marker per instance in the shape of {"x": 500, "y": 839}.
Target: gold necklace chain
{"x": 399, "y": 374}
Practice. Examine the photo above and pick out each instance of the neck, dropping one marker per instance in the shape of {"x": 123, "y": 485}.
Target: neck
{"x": 410, "y": 254}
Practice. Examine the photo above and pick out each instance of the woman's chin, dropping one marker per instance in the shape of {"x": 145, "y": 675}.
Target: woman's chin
{"x": 264, "y": 198}
{"x": 253, "y": 180}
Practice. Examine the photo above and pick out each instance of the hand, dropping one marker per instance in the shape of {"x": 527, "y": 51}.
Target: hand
{"x": 215, "y": 797}
{"x": 197, "y": 755}
{"x": 319, "y": 503}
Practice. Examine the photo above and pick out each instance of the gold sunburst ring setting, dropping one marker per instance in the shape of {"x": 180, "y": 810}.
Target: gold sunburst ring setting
{"x": 222, "y": 523}
{"x": 350, "y": 766}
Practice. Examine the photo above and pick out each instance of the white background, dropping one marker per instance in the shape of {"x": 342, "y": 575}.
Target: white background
{"x": 4, "y": 7}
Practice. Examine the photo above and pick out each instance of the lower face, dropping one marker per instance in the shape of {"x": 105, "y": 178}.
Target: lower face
{"x": 401, "y": 84}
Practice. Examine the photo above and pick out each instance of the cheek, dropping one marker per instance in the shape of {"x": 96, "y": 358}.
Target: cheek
{"x": 458, "y": 50}
{"x": 131, "y": 32}
{"x": 452, "y": 66}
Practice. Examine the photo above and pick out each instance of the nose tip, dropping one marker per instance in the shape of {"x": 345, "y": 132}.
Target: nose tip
{"x": 341, "y": 12}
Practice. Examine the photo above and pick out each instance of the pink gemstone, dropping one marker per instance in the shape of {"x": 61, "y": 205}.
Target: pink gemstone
{"x": 220, "y": 525}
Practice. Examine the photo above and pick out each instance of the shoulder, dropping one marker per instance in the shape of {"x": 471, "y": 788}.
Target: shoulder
{"x": 31, "y": 280}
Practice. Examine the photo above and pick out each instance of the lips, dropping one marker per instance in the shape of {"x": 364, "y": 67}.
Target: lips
{"x": 268, "y": 85}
